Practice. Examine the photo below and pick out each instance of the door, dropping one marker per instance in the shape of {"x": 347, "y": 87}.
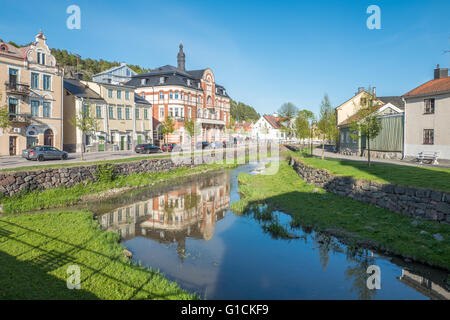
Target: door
{"x": 31, "y": 142}
{"x": 101, "y": 143}
{"x": 139, "y": 140}
{"x": 48, "y": 137}
{"x": 12, "y": 146}
{"x": 122, "y": 143}
{"x": 12, "y": 78}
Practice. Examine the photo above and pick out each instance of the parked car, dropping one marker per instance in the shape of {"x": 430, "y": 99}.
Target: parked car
{"x": 216, "y": 145}
{"x": 168, "y": 147}
{"x": 147, "y": 148}
{"x": 42, "y": 153}
{"x": 202, "y": 145}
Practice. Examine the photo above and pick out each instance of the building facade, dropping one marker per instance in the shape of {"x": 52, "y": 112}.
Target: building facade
{"x": 269, "y": 128}
{"x": 117, "y": 75}
{"x": 123, "y": 118}
{"x": 390, "y": 111}
{"x": 31, "y": 87}
{"x": 180, "y": 95}
{"x": 427, "y": 117}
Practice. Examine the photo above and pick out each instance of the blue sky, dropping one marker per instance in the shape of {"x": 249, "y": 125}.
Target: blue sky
{"x": 265, "y": 53}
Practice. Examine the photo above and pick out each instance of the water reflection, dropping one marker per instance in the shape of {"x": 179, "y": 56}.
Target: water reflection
{"x": 189, "y": 210}
{"x": 186, "y": 230}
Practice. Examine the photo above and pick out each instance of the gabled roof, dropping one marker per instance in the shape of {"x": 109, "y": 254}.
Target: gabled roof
{"x": 114, "y": 69}
{"x": 378, "y": 108}
{"x": 273, "y": 121}
{"x": 430, "y": 88}
{"x": 80, "y": 90}
{"x": 13, "y": 52}
{"x": 395, "y": 100}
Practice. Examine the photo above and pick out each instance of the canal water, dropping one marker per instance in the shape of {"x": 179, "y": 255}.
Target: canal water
{"x": 187, "y": 231}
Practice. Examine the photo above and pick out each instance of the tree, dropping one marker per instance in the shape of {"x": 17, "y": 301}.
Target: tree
{"x": 327, "y": 123}
{"x": 168, "y": 127}
{"x": 304, "y": 124}
{"x": 288, "y": 111}
{"x": 85, "y": 122}
{"x": 191, "y": 127}
{"x": 367, "y": 123}
{"x": 5, "y": 121}
{"x": 243, "y": 112}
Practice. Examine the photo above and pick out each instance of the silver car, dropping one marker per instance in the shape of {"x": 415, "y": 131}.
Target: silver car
{"x": 42, "y": 153}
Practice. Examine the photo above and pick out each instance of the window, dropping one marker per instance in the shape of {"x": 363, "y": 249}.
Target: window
{"x": 429, "y": 106}
{"x": 176, "y": 94}
{"x": 170, "y": 94}
{"x": 127, "y": 95}
{"x": 98, "y": 112}
{"x": 35, "y": 108}
{"x": 137, "y": 114}
{"x": 86, "y": 110}
{"x": 176, "y": 112}
{"x": 428, "y": 136}
{"x": 189, "y": 112}
{"x": 145, "y": 114}
{"x": 46, "y": 110}
{"x": 111, "y": 112}
{"x": 34, "y": 80}
{"x": 110, "y": 93}
{"x": 119, "y": 94}
{"x": 161, "y": 95}
{"x": 119, "y": 113}
{"x": 41, "y": 58}
{"x": 13, "y": 106}
{"x": 127, "y": 113}
{"x": 161, "y": 113}
{"x": 46, "y": 82}
{"x": 171, "y": 112}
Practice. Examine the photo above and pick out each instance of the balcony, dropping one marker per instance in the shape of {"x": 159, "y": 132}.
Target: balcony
{"x": 210, "y": 121}
{"x": 17, "y": 88}
{"x": 16, "y": 118}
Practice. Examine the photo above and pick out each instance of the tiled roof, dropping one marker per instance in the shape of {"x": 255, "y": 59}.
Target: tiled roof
{"x": 395, "y": 100}
{"x": 140, "y": 100}
{"x": 431, "y": 87}
{"x": 13, "y": 52}
{"x": 273, "y": 121}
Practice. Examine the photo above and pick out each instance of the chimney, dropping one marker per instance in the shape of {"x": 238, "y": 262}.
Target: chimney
{"x": 440, "y": 73}
{"x": 360, "y": 89}
{"x": 374, "y": 92}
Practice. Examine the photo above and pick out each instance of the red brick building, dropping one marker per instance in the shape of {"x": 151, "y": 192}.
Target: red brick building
{"x": 180, "y": 94}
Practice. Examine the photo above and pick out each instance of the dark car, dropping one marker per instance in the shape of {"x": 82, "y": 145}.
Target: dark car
{"x": 147, "y": 148}
{"x": 202, "y": 145}
{"x": 168, "y": 147}
{"x": 42, "y": 153}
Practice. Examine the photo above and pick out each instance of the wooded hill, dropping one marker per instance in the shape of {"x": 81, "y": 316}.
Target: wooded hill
{"x": 243, "y": 112}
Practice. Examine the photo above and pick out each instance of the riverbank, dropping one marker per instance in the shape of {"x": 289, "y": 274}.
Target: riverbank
{"x": 95, "y": 190}
{"x": 356, "y": 222}
{"x": 37, "y": 249}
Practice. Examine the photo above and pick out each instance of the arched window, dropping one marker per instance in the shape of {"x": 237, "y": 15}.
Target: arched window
{"x": 161, "y": 95}
{"x": 176, "y": 94}
{"x": 208, "y": 100}
{"x": 48, "y": 137}
{"x": 171, "y": 94}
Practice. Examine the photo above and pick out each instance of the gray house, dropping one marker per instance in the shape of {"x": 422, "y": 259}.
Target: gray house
{"x": 116, "y": 75}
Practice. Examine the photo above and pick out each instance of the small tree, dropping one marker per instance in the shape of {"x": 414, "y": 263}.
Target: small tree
{"x": 86, "y": 123}
{"x": 327, "y": 123}
{"x": 5, "y": 121}
{"x": 168, "y": 127}
{"x": 304, "y": 124}
{"x": 287, "y": 112}
{"x": 191, "y": 127}
{"x": 367, "y": 123}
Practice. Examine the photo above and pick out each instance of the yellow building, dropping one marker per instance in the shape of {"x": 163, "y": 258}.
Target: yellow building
{"x": 123, "y": 118}
{"x": 31, "y": 86}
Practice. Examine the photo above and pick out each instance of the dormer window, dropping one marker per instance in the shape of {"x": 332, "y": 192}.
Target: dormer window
{"x": 188, "y": 82}
{"x": 143, "y": 82}
{"x": 161, "y": 80}
{"x": 3, "y": 47}
{"x": 199, "y": 86}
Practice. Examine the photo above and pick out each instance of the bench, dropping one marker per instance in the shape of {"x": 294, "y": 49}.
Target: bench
{"x": 428, "y": 156}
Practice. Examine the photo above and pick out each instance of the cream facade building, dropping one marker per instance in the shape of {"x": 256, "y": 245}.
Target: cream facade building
{"x": 31, "y": 87}
{"x": 123, "y": 118}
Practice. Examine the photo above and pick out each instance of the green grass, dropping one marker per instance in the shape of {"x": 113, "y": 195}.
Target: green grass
{"x": 36, "y": 250}
{"x": 58, "y": 197}
{"x": 414, "y": 176}
{"x": 314, "y": 207}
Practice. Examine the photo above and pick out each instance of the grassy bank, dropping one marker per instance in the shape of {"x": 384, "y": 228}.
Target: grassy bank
{"x": 58, "y": 197}
{"x": 36, "y": 250}
{"x": 362, "y": 223}
{"x": 420, "y": 177}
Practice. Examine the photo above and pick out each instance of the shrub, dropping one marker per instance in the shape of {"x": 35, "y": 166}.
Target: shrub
{"x": 105, "y": 173}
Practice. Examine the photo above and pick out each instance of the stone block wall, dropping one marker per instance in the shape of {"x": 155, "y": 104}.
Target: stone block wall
{"x": 413, "y": 202}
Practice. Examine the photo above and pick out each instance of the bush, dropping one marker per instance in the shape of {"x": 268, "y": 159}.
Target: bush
{"x": 105, "y": 173}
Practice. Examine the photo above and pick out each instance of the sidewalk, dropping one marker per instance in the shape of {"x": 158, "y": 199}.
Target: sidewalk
{"x": 442, "y": 163}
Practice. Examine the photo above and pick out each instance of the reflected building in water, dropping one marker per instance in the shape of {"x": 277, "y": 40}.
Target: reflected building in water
{"x": 424, "y": 286}
{"x": 190, "y": 210}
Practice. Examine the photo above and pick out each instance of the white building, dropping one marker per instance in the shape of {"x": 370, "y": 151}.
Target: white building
{"x": 116, "y": 75}
{"x": 268, "y": 128}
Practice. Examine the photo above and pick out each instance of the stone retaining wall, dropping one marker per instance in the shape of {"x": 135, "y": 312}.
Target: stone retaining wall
{"x": 16, "y": 182}
{"x": 417, "y": 203}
